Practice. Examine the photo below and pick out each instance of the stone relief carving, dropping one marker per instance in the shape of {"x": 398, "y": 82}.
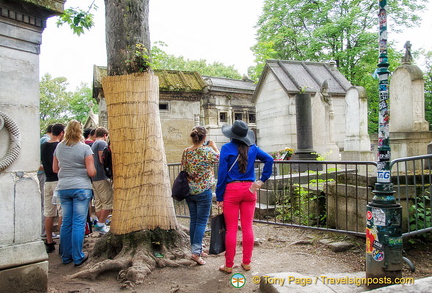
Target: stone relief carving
{"x": 14, "y": 148}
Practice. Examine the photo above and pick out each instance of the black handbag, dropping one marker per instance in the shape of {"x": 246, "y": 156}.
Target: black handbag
{"x": 217, "y": 236}
{"x": 180, "y": 188}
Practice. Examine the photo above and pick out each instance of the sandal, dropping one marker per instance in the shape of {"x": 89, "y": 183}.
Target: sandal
{"x": 246, "y": 267}
{"x": 198, "y": 259}
{"x": 225, "y": 269}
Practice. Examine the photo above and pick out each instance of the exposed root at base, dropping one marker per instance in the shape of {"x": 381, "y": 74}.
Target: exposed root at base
{"x": 136, "y": 254}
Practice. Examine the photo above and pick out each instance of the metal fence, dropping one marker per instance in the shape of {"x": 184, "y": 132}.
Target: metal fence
{"x": 413, "y": 192}
{"x": 332, "y": 195}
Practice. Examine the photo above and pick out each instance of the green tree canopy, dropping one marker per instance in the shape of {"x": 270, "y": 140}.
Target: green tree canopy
{"x": 345, "y": 31}
{"x": 162, "y": 60}
{"x": 57, "y": 105}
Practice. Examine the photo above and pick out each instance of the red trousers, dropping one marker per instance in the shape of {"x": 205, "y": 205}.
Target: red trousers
{"x": 238, "y": 200}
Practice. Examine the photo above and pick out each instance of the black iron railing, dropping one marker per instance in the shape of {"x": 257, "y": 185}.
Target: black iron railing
{"x": 332, "y": 195}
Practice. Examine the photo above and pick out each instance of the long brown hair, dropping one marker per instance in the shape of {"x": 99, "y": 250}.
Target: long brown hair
{"x": 73, "y": 132}
{"x": 243, "y": 151}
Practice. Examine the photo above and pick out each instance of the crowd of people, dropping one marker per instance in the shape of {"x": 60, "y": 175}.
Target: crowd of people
{"x": 71, "y": 180}
{"x": 73, "y": 172}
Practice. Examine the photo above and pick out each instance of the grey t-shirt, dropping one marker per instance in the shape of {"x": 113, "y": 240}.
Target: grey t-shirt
{"x": 73, "y": 172}
{"x": 97, "y": 146}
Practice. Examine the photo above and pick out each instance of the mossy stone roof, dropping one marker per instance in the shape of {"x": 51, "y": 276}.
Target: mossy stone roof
{"x": 169, "y": 80}
{"x": 56, "y": 6}
{"x": 180, "y": 81}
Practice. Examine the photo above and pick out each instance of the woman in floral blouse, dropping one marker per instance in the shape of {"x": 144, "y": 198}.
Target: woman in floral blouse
{"x": 198, "y": 161}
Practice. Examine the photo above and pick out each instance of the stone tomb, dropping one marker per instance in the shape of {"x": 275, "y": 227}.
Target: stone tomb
{"x": 23, "y": 259}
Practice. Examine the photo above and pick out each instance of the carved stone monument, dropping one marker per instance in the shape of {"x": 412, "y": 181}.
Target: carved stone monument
{"x": 304, "y": 134}
{"x": 323, "y": 124}
{"x": 357, "y": 145}
{"x": 409, "y": 131}
{"x": 23, "y": 259}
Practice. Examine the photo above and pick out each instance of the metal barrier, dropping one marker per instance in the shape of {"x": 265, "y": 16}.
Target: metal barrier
{"x": 412, "y": 178}
{"x": 328, "y": 195}
{"x": 332, "y": 195}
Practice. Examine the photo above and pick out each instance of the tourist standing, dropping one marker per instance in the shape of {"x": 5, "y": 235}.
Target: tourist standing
{"x": 87, "y": 139}
{"x": 102, "y": 185}
{"x": 73, "y": 161}
{"x": 51, "y": 209}
{"x": 41, "y": 176}
{"x": 199, "y": 161}
{"x": 236, "y": 189}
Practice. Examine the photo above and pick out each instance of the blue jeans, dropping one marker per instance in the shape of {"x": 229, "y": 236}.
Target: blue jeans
{"x": 199, "y": 210}
{"x": 75, "y": 204}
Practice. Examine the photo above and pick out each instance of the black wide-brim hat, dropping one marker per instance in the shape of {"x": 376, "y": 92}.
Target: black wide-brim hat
{"x": 240, "y": 131}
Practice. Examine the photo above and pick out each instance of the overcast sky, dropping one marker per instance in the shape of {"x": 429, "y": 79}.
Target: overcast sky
{"x": 220, "y": 31}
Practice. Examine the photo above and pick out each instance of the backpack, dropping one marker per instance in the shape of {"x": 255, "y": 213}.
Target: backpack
{"x": 107, "y": 161}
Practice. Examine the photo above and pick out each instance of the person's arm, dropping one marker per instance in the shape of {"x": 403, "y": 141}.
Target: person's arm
{"x": 222, "y": 175}
{"x": 213, "y": 155}
{"x": 89, "y": 163}
{"x": 55, "y": 167}
{"x": 213, "y": 145}
{"x": 100, "y": 156}
{"x": 268, "y": 164}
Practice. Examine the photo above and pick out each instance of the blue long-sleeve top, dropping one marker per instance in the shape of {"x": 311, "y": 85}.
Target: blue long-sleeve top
{"x": 228, "y": 156}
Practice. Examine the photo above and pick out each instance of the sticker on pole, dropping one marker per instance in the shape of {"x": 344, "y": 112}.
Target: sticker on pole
{"x": 378, "y": 255}
{"x": 383, "y": 176}
{"x": 379, "y": 216}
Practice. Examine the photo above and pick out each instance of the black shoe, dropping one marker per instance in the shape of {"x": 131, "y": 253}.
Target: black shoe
{"x": 50, "y": 247}
{"x": 83, "y": 260}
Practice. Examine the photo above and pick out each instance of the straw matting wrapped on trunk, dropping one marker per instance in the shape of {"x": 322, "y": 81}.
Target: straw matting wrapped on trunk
{"x": 142, "y": 191}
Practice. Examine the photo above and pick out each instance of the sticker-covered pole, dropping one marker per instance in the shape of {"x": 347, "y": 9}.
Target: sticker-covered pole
{"x": 383, "y": 214}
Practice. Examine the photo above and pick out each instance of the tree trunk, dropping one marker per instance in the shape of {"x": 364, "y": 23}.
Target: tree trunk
{"x": 141, "y": 180}
{"x": 142, "y": 191}
{"x": 145, "y": 228}
{"x": 126, "y": 27}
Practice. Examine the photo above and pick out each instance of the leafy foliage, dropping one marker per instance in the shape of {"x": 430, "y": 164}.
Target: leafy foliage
{"x": 162, "y": 60}
{"x": 428, "y": 87}
{"x": 57, "y": 105}
{"x": 302, "y": 206}
{"x": 340, "y": 30}
{"x": 78, "y": 19}
{"x": 420, "y": 213}
{"x": 140, "y": 61}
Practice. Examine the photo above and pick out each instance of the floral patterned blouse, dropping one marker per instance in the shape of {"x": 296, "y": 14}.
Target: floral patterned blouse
{"x": 199, "y": 164}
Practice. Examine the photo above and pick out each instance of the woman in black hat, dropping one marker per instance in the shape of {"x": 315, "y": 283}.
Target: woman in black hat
{"x": 236, "y": 189}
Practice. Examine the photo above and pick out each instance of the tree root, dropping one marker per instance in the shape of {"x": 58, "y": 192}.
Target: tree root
{"x": 134, "y": 255}
{"x": 92, "y": 272}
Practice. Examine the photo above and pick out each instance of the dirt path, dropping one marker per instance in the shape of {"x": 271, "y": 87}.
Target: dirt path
{"x": 279, "y": 249}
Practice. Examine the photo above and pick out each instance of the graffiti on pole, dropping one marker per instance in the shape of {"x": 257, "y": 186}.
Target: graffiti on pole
{"x": 384, "y": 113}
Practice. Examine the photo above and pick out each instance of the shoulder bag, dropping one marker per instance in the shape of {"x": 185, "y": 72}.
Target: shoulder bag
{"x": 180, "y": 188}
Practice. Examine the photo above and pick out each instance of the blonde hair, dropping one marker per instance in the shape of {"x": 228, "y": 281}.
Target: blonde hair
{"x": 73, "y": 133}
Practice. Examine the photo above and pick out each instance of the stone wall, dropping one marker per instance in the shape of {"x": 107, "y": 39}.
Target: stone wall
{"x": 23, "y": 260}
{"x": 276, "y": 119}
{"x": 177, "y": 124}
{"x": 274, "y": 108}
